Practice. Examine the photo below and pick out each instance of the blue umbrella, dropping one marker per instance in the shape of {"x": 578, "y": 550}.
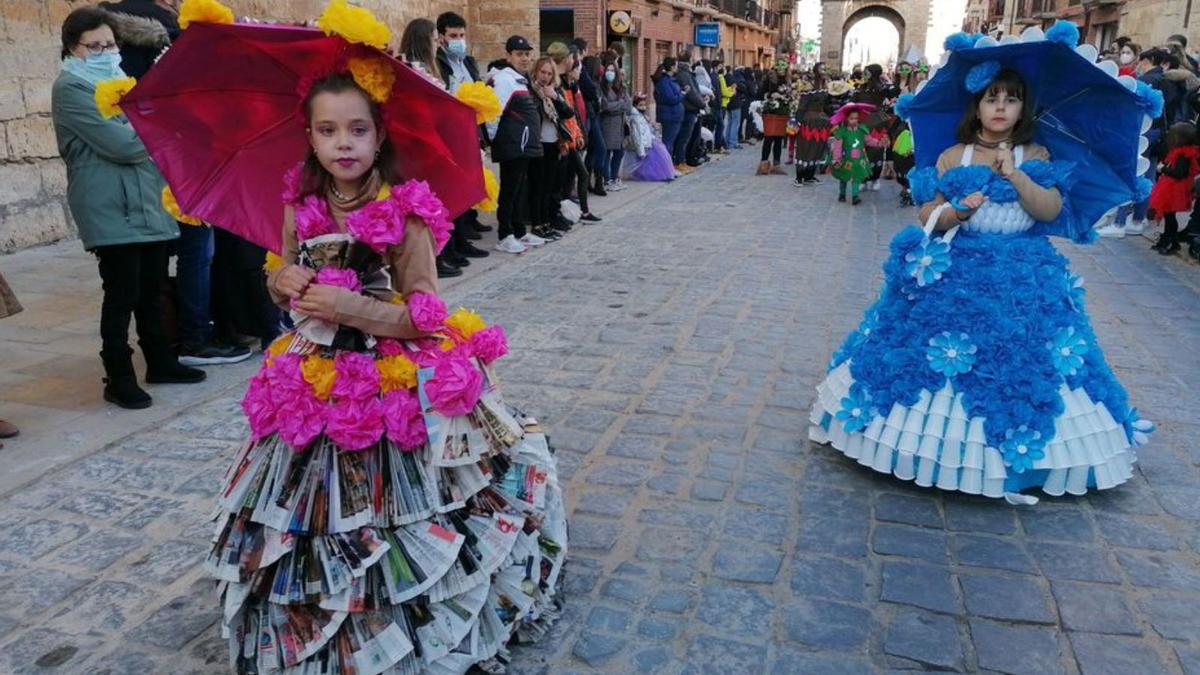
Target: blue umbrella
{"x": 1085, "y": 114}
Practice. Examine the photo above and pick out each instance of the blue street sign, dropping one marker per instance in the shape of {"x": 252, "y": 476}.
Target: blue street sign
{"x": 708, "y": 34}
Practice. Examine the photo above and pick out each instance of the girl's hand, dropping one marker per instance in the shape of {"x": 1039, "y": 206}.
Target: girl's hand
{"x": 293, "y": 279}
{"x": 1005, "y": 162}
{"x": 970, "y": 204}
{"x": 318, "y": 302}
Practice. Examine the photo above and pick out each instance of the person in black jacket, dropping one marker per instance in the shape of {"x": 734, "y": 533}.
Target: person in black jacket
{"x": 515, "y": 142}
{"x": 457, "y": 68}
{"x": 597, "y": 153}
{"x": 693, "y": 103}
{"x": 144, "y": 29}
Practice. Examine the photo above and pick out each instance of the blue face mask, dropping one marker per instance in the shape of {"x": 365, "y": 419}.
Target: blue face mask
{"x": 457, "y": 48}
{"x": 611, "y": 76}
{"x": 96, "y": 67}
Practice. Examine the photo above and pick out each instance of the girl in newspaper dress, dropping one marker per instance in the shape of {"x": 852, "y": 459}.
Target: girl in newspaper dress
{"x": 977, "y": 370}
{"x": 390, "y": 513}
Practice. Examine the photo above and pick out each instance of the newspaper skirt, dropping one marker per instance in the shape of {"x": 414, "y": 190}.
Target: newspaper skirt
{"x": 391, "y": 558}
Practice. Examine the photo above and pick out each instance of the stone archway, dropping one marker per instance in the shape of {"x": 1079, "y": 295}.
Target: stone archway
{"x": 910, "y": 17}
{"x": 872, "y": 12}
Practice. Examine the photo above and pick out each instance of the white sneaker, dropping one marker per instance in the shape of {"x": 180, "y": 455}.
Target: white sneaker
{"x": 621, "y": 184}
{"x": 1135, "y": 227}
{"x": 532, "y": 239}
{"x": 875, "y": 187}
{"x": 1113, "y": 231}
{"x": 510, "y": 244}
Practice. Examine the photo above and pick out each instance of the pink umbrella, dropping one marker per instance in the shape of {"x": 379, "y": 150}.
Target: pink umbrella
{"x": 221, "y": 115}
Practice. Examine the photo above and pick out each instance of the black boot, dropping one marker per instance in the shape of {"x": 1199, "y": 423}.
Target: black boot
{"x": 120, "y": 384}
{"x": 445, "y": 270}
{"x": 468, "y": 250}
{"x": 163, "y": 367}
{"x": 598, "y": 188}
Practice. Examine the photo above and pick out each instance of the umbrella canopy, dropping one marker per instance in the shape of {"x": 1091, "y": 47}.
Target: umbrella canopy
{"x": 1085, "y": 113}
{"x": 222, "y": 117}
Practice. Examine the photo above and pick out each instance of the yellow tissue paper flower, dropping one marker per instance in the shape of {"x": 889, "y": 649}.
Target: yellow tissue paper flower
{"x": 279, "y": 346}
{"x": 109, "y": 94}
{"x": 172, "y": 207}
{"x": 482, "y": 98}
{"x": 491, "y": 202}
{"x": 272, "y": 263}
{"x": 375, "y": 76}
{"x": 318, "y": 371}
{"x": 204, "y": 11}
{"x": 385, "y": 192}
{"x": 465, "y": 322}
{"x": 354, "y": 24}
{"x": 396, "y": 373}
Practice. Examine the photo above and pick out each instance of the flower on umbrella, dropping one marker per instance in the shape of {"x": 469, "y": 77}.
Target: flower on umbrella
{"x": 1022, "y": 447}
{"x": 928, "y": 261}
{"x": 951, "y": 354}
{"x": 1067, "y": 350}
{"x": 205, "y": 11}
{"x": 354, "y": 24}
{"x": 109, "y": 93}
{"x": 856, "y": 410}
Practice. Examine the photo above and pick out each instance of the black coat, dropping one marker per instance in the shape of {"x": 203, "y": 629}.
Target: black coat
{"x": 517, "y": 135}
{"x": 143, "y": 29}
{"x": 443, "y": 61}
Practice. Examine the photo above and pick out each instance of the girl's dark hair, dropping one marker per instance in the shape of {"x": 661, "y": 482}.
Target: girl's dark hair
{"x": 1181, "y": 134}
{"x": 667, "y": 64}
{"x": 314, "y": 179}
{"x": 416, "y": 45}
{"x": 79, "y": 22}
{"x": 1009, "y": 82}
{"x": 591, "y": 64}
{"x": 874, "y": 73}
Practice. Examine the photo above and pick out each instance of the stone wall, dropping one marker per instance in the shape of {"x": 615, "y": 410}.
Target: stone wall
{"x": 1150, "y": 22}
{"x": 32, "y": 178}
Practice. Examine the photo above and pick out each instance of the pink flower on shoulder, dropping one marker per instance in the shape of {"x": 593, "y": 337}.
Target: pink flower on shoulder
{"x": 355, "y": 376}
{"x": 379, "y": 224}
{"x": 302, "y": 421}
{"x": 291, "y": 184}
{"x": 259, "y": 407}
{"x": 312, "y": 218}
{"x": 427, "y": 311}
{"x": 355, "y": 425}
{"x": 336, "y": 276}
{"x": 455, "y": 387}
{"x": 489, "y": 344}
{"x": 404, "y": 420}
{"x": 417, "y": 199}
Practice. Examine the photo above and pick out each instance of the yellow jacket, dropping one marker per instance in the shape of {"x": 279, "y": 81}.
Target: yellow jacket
{"x": 727, "y": 91}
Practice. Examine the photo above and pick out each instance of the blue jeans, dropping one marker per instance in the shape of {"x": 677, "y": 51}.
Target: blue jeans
{"x": 670, "y": 131}
{"x": 192, "y": 283}
{"x": 679, "y": 151}
{"x": 614, "y": 163}
{"x": 597, "y": 150}
{"x": 719, "y": 129}
{"x": 732, "y": 127}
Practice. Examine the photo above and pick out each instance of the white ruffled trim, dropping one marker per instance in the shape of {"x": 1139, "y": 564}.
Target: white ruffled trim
{"x": 933, "y": 442}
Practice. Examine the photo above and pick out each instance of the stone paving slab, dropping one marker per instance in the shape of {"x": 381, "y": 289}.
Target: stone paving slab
{"x": 672, "y": 351}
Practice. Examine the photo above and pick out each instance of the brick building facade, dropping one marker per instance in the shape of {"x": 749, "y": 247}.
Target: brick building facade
{"x": 661, "y": 28}
{"x": 32, "y": 178}
{"x": 1146, "y": 22}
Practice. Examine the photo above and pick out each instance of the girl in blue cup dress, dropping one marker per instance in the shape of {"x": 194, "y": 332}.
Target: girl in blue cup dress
{"x": 977, "y": 370}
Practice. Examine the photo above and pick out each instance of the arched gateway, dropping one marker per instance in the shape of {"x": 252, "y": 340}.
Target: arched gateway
{"x": 910, "y": 17}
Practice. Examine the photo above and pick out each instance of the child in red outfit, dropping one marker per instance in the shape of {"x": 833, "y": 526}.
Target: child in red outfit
{"x": 1173, "y": 191}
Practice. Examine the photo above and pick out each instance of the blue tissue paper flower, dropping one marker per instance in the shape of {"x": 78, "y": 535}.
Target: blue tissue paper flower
{"x": 903, "y": 106}
{"x": 960, "y": 41}
{"x": 1067, "y": 350}
{"x": 1021, "y": 447}
{"x": 1137, "y": 430}
{"x": 1150, "y": 99}
{"x": 856, "y": 410}
{"x": 1075, "y": 291}
{"x": 979, "y": 77}
{"x": 923, "y": 183}
{"x": 951, "y": 354}
{"x": 1064, "y": 32}
{"x": 928, "y": 262}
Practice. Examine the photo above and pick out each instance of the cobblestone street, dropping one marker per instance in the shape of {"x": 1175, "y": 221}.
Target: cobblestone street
{"x": 672, "y": 351}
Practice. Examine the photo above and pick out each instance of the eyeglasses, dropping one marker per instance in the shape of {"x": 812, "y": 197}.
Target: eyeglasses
{"x": 100, "y": 47}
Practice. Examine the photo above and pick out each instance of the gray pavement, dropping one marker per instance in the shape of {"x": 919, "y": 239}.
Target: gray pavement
{"x": 673, "y": 350}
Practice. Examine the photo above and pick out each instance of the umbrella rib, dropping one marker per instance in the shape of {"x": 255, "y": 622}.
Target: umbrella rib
{"x": 215, "y": 174}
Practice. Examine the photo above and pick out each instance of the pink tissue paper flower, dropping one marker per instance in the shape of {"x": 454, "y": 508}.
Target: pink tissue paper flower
{"x": 291, "y": 184}
{"x": 404, "y": 420}
{"x": 455, "y": 387}
{"x": 427, "y": 311}
{"x": 286, "y": 380}
{"x": 378, "y": 224}
{"x": 336, "y": 276}
{"x": 312, "y": 218}
{"x": 489, "y": 344}
{"x": 302, "y": 420}
{"x": 355, "y": 376}
{"x": 259, "y": 408}
{"x": 389, "y": 347}
{"x": 355, "y": 425}
{"x": 417, "y": 199}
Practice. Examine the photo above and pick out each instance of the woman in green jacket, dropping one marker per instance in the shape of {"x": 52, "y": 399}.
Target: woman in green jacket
{"x": 114, "y": 193}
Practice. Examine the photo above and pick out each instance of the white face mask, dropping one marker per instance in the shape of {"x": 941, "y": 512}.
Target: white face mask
{"x": 1126, "y": 58}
